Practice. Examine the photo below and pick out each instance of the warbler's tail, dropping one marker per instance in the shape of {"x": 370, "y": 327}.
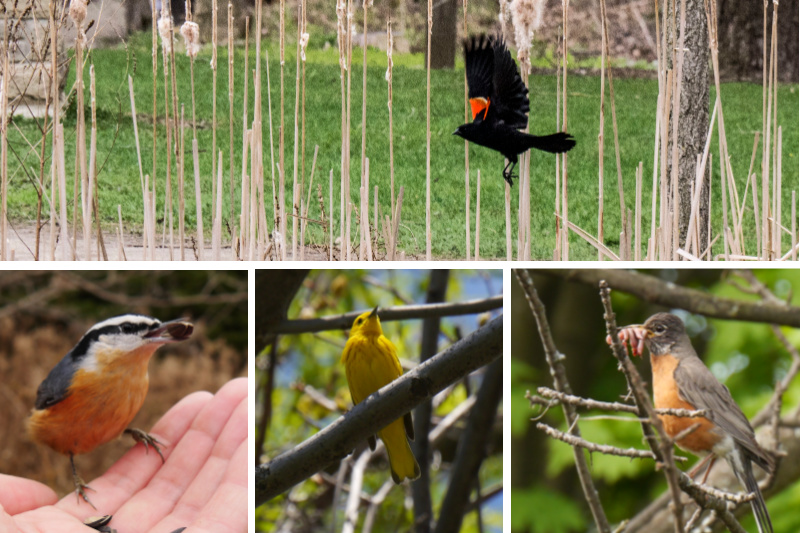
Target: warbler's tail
{"x": 556, "y": 143}
{"x": 401, "y": 459}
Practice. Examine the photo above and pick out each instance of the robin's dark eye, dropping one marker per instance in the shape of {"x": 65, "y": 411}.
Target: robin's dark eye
{"x": 660, "y": 328}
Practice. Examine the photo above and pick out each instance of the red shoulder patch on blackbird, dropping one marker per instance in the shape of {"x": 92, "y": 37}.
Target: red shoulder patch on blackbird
{"x": 479, "y": 105}
{"x": 493, "y": 78}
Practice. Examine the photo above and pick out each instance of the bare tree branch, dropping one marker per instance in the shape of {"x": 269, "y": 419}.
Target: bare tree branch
{"x": 653, "y": 290}
{"x": 662, "y": 448}
{"x": 554, "y": 396}
{"x": 606, "y": 449}
{"x": 559, "y": 373}
{"x": 395, "y": 313}
{"x": 338, "y": 439}
{"x": 471, "y": 450}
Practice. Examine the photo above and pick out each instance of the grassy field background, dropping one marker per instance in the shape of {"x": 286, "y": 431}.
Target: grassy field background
{"x": 635, "y": 98}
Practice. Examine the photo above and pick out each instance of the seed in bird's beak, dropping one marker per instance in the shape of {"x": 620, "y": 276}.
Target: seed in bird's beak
{"x": 174, "y": 330}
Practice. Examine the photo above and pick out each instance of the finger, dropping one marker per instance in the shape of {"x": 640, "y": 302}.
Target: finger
{"x": 135, "y": 469}
{"x": 19, "y": 494}
{"x": 187, "y": 459}
{"x": 219, "y": 491}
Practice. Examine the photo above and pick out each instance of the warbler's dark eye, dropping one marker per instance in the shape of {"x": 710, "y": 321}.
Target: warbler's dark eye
{"x": 359, "y": 321}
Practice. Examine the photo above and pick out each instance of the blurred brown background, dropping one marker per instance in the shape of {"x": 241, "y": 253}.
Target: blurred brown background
{"x": 44, "y": 314}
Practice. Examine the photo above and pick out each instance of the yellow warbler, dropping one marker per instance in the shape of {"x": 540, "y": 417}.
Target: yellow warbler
{"x": 370, "y": 362}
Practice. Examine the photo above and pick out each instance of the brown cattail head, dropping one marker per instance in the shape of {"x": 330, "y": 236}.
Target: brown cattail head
{"x": 77, "y": 12}
{"x": 191, "y": 38}
{"x": 526, "y": 16}
{"x": 165, "y": 30}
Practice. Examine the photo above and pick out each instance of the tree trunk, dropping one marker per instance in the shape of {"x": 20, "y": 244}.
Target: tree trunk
{"x": 742, "y": 58}
{"x": 443, "y": 36}
{"x": 693, "y": 118}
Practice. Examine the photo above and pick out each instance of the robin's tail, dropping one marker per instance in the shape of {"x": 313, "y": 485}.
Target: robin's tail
{"x": 746, "y": 478}
{"x": 557, "y": 143}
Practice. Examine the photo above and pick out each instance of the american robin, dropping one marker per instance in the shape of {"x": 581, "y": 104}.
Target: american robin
{"x": 682, "y": 381}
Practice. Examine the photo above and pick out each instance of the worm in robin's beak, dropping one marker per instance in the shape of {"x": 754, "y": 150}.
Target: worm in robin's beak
{"x": 633, "y": 336}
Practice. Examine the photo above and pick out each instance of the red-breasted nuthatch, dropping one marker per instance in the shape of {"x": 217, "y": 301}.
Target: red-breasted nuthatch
{"x": 95, "y": 391}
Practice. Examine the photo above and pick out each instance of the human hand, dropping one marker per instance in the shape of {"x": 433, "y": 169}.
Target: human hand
{"x": 201, "y": 486}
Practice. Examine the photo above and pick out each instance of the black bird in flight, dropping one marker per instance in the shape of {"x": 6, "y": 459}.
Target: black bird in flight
{"x": 499, "y": 102}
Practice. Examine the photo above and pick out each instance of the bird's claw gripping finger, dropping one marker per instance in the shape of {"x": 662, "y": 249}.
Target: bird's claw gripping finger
{"x": 632, "y": 336}
{"x": 508, "y": 176}
{"x": 146, "y": 439}
{"x": 81, "y": 488}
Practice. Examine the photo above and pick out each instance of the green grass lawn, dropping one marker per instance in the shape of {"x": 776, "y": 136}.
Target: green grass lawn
{"x": 636, "y": 101}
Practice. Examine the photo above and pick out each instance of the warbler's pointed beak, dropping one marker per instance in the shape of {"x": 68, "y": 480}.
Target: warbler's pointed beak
{"x": 172, "y": 331}
{"x": 374, "y": 312}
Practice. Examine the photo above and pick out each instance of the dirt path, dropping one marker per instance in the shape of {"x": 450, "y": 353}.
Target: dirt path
{"x": 22, "y": 242}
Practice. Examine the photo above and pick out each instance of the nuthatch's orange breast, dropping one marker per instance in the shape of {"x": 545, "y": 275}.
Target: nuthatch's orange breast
{"x": 100, "y": 403}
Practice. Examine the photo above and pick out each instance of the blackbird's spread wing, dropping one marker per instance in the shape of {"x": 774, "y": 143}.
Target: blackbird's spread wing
{"x": 479, "y": 61}
{"x": 699, "y": 387}
{"x": 510, "y": 96}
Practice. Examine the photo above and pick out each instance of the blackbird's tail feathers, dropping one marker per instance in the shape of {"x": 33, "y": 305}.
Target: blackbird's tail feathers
{"x": 557, "y": 143}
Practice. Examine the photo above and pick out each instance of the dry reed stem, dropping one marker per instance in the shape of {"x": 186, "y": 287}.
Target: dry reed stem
{"x": 637, "y": 250}
{"x": 478, "y": 218}
{"x": 591, "y": 240}
{"x": 601, "y": 134}
{"x": 181, "y": 192}
{"x": 296, "y": 193}
{"x": 364, "y": 229}
{"x": 428, "y": 235}
{"x": 396, "y": 223}
{"x": 467, "y": 220}
{"x": 390, "y": 64}
{"x": 4, "y": 120}
{"x": 230, "y": 108}
{"x": 136, "y": 131}
{"x": 794, "y": 225}
{"x": 507, "y": 188}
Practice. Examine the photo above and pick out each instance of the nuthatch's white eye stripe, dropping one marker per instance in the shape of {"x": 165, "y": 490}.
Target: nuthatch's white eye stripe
{"x": 139, "y": 322}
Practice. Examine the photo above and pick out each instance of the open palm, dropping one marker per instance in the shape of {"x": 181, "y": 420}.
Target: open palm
{"x": 201, "y": 486}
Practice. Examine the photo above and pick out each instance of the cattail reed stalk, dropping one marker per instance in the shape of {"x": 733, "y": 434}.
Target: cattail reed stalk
{"x": 601, "y": 135}
{"x": 329, "y": 227}
{"x": 390, "y": 64}
{"x": 342, "y": 42}
{"x": 230, "y": 110}
{"x": 296, "y": 193}
{"x": 467, "y": 213}
{"x": 62, "y": 193}
{"x": 214, "y": 10}
{"x": 4, "y": 120}
{"x": 428, "y": 236}
{"x": 398, "y": 206}
{"x": 564, "y": 189}
{"x": 637, "y": 250}
{"x": 89, "y": 204}
{"x": 794, "y": 225}
{"x": 165, "y": 29}
{"x": 478, "y": 218}
{"x": 136, "y": 132}
{"x": 304, "y": 214}
{"x": 216, "y": 231}
{"x": 120, "y": 240}
{"x": 181, "y": 184}
{"x": 365, "y": 190}
{"x": 281, "y": 152}
{"x": 508, "y": 222}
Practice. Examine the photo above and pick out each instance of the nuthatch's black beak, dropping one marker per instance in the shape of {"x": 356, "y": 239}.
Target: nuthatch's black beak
{"x": 172, "y": 331}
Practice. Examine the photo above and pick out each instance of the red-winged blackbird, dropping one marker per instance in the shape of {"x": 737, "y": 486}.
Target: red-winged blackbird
{"x": 499, "y": 102}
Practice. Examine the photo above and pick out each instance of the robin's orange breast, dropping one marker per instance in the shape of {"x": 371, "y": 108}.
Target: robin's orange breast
{"x": 667, "y": 396}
